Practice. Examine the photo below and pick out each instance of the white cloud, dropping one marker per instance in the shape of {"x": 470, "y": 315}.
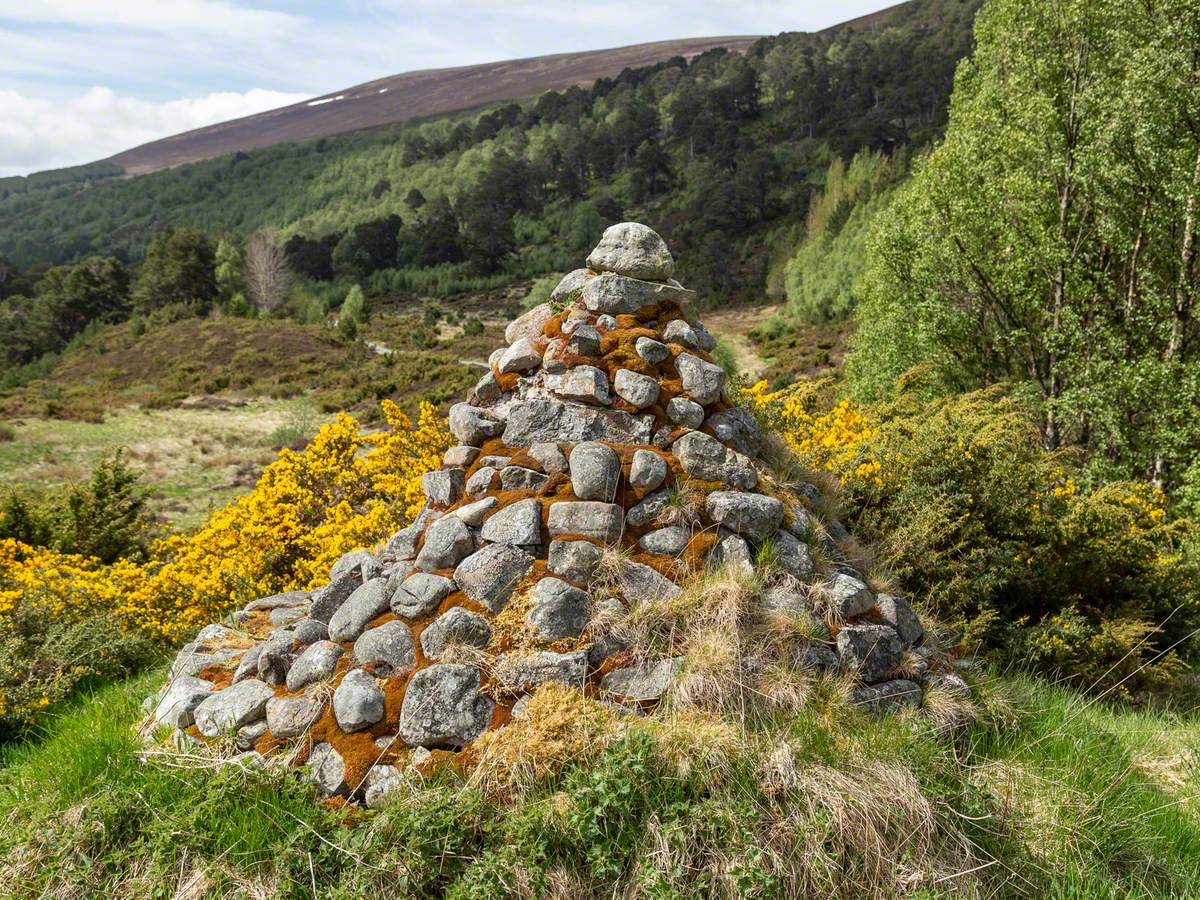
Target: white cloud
{"x": 40, "y": 134}
{"x": 208, "y": 16}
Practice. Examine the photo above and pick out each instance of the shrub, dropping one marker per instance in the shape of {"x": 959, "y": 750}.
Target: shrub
{"x": 472, "y": 326}
{"x": 352, "y": 314}
{"x": 996, "y": 535}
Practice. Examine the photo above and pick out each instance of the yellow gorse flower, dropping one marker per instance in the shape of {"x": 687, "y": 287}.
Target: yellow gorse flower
{"x": 348, "y": 489}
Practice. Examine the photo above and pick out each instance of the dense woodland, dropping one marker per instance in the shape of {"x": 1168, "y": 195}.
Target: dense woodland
{"x": 720, "y": 153}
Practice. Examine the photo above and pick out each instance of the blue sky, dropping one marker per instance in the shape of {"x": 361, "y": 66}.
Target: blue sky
{"x": 82, "y": 79}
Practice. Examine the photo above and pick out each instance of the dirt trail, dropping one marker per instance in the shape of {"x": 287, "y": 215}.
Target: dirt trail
{"x": 733, "y": 324}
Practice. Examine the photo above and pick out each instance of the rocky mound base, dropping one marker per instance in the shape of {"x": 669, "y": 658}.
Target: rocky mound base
{"x": 601, "y": 465}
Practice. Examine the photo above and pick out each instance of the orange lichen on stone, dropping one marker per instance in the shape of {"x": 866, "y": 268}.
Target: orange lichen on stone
{"x": 220, "y": 676}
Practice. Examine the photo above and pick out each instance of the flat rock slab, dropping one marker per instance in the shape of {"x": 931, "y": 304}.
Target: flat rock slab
{"x": 525, "y": 672}
{"x": 369, "y": 601}
{"x": 490, "y": 575}
{"x": 289, "y": 717}
{"x": 390, "y": 645}
{"x": 455, "y": 626}
{"x": 226, "y": 711}
{"x": 536, "y": 421}
{"x": 590, "y": 518}
{"x": 518, "y": 523}
{"x": 316, "y": 663}
{"x": 615, "y": 294}
{"x": 443, "y": 707}
{"x": 754, "y": 516}
{"x": 704, "y": 457}
{"x": 420, "y": 593}
{"x": 643, "y": 682}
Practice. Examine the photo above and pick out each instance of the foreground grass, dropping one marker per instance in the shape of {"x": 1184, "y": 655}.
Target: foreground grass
{"x": 1053, "y": 797}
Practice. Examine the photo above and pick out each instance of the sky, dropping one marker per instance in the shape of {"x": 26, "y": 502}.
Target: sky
{"x": 83, "y": 79}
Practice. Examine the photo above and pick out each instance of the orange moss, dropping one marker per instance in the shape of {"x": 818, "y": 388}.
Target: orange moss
{"x": 220, "y": 676}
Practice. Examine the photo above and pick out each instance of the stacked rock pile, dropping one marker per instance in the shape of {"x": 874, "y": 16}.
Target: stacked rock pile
{"x": 600, "y": 464}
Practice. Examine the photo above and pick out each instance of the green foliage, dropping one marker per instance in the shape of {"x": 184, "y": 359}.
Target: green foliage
{"x": 1050, "y": 239}
{"x": 996, "y": 536}
{"x": 540, "y": 290}
{"x": 820, "y": 277}
{"x": 229, "y": 263}
{"x": 107, "y": 517}
{"x": 178, "y": 269}
{"x": 352, "y": 314}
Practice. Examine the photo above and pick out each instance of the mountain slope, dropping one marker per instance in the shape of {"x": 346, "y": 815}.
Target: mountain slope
{"x": 411, "y": 95}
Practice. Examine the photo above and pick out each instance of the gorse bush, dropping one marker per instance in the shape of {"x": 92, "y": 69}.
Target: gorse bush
{"x": 108, "y": 606}
{"x": 997, "y": 537}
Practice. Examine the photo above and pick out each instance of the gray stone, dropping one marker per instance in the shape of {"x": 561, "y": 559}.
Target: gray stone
{"x": 731, "y": 552}
{"x": 881, "y": 698}
{"x": 286, "y": 615}
{"x": 275, "y": 657}
{"x": 707, "y": 459}
{"x": 520, "y": 357}
{"x": 460, "y": 456}
{"x": 549, "y": 456}
{"x": 326, "y": 769}
{"x": 472, "y": 425}
{"x": 390, "y": 644}
{"x": 792, "y": 556}
{"x": 382, "y": 785}
{"x": 643, "y": 682}
{"x": 228, "y": 710}
{"x": 586, "y": 384}
{"x": 530, "y": 325}
{"x": 472, "y": 513}
{"x": 663, "y": 437}
{"x": 443, "y": 707}
{"x": 736, "y": 428}
{"x": 871, "y": 651}
{"x": 189, "y": 661}
{"x": 630, "y": 248}
{"x": 606, "y": 323}
{"x": 895, "y": 611}
{"x": 419, "y": 594}
{"x": 595, "y": 471}
{"x": 614, "y": 294}
{"x": 818, "y": 656}
{"x": 517, "y": 523}
{"x": 574, "y": 560}
{"x": 701, "y": 379}
{"x": 363, "y": 560}
{"x": 651, "y": 507}
{"x": 316, "y": 663}
{"x": 248, "y": 665}
{"x": 494, "y": 462}
{"x": 447, "y": 542}
{"x": 443, "y": 487}
{"x": 589, "y": 518}
{"x": 784, "y": 600}
{"x": 606, "y": 620}
{"x": 799, "y": 522}
{"x": 571, "y": 283}
{"x": 480, "y": 481}
{"x": 489, "y": 575}
{"x": 309, "y": 631}
{"x": 363, "y": 605}
{"x": 287, "y": 598}
{"x": 753, "y": 516}
{"x": 847, "y": 596}
{"x": 670, "y": 541}
{"x": 216, "y": 633}
{"x": 639, "y": 390}
{"x": 585, "y": 341}
{"x": 289, "y": 717}
{"x": 678, "y": 331}
{"x": 455, "y": 626}
{"x": 357, "y": 702}
{"x": 640, "y": 583}
{"x": 487, "y": 389}
{"x": 535, "y": 421}
{"x": 402, "y": 546}
{"x": 177, "y": 702}
{"x": 685, "y": 412}
{"x": 518, "y": 478}
{"x": 328, "y": 600}
{"x": 524, "y": 672}
{"x": 559, "y": 609}
{"x": 650, "y": 350}
{"x": 247, "y": 737}
{"x": 648, "y": 470}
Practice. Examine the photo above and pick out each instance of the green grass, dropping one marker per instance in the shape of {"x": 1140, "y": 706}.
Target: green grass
{"x": 1046, "y": 795}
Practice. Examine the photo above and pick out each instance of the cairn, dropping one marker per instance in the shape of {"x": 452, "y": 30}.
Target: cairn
{"x": 601, "y": 464}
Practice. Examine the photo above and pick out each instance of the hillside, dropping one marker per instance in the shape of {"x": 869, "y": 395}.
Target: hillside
{"x": 411, "y": 95}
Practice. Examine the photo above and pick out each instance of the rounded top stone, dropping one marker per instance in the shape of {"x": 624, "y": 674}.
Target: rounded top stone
{"x": 632, "y": 249}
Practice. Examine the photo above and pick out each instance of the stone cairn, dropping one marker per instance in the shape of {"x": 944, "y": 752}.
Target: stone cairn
{"x": 603, "y": 410}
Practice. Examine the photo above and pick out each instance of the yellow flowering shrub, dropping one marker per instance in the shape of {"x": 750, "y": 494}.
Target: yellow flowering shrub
{"x": 347, "y": 489}
{"x": 988, "y": 529}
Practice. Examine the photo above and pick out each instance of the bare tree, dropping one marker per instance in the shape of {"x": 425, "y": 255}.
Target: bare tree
{"x": 267, "y": 276}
